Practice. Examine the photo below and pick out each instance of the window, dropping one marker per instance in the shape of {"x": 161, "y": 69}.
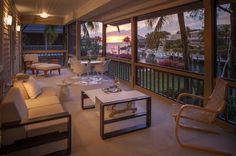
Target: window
{"x": 72, "y": 38}
{"x": 119, "y": 41}
{"x": 226, "y": 39}
{"x": 173, "y": 40}
{"x": 42, "y": 37}
{"x": 91, "y": 38}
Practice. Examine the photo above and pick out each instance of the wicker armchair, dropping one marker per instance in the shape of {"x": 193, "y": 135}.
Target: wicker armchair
{"x": 79, "y": 69}
{"x": 215, "y": 104}
{"x": 102, "y": 68}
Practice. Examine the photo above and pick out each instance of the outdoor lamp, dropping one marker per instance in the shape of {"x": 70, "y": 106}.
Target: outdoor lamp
{"x": 18, "y": 27}
{"x": 8, "y": 20}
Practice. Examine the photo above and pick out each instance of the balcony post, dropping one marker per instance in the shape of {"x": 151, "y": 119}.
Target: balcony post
{"x": 209, "y": 46}
{"x": 134, "y": 50}
{"x": 65, "y": 32}
{"x": 104, "y": 39}
{"x": 78, "y": 39}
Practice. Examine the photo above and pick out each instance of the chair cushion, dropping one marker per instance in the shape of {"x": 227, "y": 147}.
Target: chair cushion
{"x": 48, "y": 126}
{"x": 31, "y": 57}
{"x": 42, "y": 101}
{"x": 19, "y": 84}
{"x": 32, "y": 87}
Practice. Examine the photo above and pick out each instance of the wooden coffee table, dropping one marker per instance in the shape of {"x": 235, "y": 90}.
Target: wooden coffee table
{"x": 101, "y": 100}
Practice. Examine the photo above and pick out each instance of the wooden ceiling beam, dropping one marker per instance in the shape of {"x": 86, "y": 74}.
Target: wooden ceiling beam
{"x": 85, "y": 9}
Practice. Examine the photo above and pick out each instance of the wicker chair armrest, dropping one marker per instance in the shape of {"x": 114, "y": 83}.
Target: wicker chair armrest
{"x": 190, "y": 95}
{"x": 193, "y": 107}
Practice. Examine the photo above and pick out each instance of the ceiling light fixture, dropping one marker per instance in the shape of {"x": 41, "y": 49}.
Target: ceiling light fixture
{"x": 44, "y": 15}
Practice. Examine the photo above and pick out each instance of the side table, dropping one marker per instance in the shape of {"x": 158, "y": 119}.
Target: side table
{"x": 64, "y": 90}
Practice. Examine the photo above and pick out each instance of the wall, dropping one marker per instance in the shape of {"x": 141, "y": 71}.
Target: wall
{"x": 10, "y": 52}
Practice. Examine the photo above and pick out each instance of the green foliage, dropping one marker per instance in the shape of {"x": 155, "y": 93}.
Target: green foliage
{"x": 91, "y": 44}
{"x": 154, "y": 38}
{"x": 174, "y": 45}
{"x": 151, "y": 58}
{"x": 232, "y": 108}
{"x": 50, "y": 34}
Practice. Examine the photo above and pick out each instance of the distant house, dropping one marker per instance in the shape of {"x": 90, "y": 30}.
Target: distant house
{"x": 141, "y": 41}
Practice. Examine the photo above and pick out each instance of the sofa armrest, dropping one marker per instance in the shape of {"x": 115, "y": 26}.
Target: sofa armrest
{"x": 10, "y": 125}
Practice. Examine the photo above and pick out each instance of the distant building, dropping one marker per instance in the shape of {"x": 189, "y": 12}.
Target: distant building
{"x": 141, "y": 41}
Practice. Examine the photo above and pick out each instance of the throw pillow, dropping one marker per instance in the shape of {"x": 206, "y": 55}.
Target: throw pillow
{"x": 32, "y": 87}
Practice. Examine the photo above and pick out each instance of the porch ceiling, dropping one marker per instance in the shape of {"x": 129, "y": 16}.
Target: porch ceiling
{"x": 65, "y": 11}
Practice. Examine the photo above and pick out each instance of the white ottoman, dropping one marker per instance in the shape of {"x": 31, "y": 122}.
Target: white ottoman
{"x": 48, "y": 67}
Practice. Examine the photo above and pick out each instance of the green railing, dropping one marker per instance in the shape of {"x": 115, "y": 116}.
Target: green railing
{"x": 229, "y": 115}
{"x": 167, "y": 84}
{"x": 120, "y": 70}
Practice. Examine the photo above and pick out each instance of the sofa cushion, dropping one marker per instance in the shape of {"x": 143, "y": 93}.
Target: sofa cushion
{"x": 13, "y": 108}
{"x": 48, "y": 91}
{"x": 20, "y": 86}
{"x": 48, "y": 126}
{"x": 32, "y": 87}
{"x": 42, "y": 101}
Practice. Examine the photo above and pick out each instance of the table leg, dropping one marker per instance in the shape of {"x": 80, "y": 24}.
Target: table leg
{"x": 45, "y": 73}
{"x": 84, "y": 96}
{"x": 59, "y": 71}
{"x": 102, "y": 122}
{"x": 149, "y": 111}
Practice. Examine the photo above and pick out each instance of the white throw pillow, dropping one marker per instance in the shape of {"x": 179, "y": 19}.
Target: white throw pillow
{"x": 32, "y": 87}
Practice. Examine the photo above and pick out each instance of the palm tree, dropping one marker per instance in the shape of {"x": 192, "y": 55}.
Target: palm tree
{"x": 229, "y": 69}
{"x": 50, "y": 35}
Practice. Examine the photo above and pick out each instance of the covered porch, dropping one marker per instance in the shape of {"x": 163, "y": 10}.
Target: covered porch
{"x": 186, "y": 54}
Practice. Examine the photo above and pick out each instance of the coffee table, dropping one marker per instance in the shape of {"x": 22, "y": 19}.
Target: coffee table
{"x": 101, "y": 100}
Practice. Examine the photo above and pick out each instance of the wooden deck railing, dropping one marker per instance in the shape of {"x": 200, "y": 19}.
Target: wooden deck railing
{"x": 229, "y": 114}
{"x": 49, "y": 55}
{"x": 120, "y": 69}
{"x": 169, "y": 82}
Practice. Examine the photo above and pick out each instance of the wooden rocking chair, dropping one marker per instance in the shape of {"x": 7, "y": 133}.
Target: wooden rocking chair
{"x": 215, "y": 104}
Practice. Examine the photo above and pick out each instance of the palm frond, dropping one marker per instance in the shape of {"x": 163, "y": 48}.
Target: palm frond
{"x": 151, "y": 22}
{"x": 161, "y": 21}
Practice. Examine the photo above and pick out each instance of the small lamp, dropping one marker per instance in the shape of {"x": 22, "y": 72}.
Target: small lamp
{"x": 8, "y": 20}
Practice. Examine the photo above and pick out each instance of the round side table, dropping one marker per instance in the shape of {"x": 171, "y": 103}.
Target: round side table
{"x": 64, "y": 90}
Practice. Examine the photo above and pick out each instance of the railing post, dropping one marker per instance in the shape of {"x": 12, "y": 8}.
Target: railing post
{"x": 209, "y": 34}
{"x": 78, "y": 39}
{"x": 134, "y": 50}
{"x": 104, "y": 39}
{"x": 65, "y": 32}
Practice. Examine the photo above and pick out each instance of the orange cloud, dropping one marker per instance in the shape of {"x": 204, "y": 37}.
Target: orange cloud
{"x": 115, "y": 39}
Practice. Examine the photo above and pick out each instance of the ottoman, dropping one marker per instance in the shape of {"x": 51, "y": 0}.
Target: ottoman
{"x": 48, "y": 67}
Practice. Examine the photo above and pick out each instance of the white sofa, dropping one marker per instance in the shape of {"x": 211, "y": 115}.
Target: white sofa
{"x": 23, "y": 118}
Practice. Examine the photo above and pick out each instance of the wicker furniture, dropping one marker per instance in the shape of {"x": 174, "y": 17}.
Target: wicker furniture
{"x": 215, "y": 104}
